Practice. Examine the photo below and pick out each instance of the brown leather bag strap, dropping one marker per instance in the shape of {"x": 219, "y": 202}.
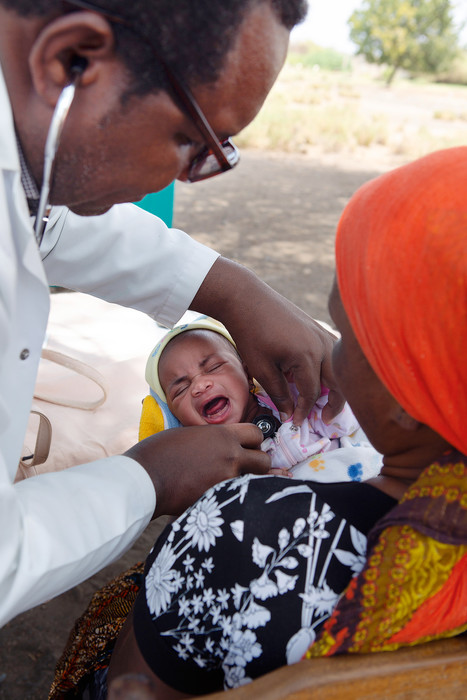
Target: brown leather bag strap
{"x": 43, "y": 441}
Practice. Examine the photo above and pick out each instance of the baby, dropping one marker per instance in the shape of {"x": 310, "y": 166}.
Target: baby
{"x": 198, "y": 378}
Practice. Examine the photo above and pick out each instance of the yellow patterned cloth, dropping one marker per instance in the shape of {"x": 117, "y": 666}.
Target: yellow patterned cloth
{"x": 413, "y": 588}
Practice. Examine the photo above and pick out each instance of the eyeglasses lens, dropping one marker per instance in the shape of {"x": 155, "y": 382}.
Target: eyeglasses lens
{"x": 206, "y": 164}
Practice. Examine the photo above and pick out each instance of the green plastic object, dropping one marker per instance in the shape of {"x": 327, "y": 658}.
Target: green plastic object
{"x": 160, "y": 203}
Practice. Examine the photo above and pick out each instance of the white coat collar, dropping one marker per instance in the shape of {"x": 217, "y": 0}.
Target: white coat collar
{"x": 23, "y": 230}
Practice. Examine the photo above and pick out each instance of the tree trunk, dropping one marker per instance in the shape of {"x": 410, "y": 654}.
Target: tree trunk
{"x": 391, "y": 75}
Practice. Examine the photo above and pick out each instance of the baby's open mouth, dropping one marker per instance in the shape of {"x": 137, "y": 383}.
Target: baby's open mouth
{"x": 215, "y": 407}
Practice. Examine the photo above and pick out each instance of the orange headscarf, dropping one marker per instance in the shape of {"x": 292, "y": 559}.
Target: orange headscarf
{"x": 401, "y": 257}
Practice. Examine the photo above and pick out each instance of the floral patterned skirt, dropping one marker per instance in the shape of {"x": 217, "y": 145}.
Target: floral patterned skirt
{"x": 243, "y": 581}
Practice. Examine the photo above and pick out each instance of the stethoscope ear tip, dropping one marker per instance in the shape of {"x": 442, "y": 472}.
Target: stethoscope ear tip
{"x": 78, "y": 65}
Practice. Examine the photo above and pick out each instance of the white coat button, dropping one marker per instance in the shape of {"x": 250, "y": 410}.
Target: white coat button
{"x": 24, "y": 354}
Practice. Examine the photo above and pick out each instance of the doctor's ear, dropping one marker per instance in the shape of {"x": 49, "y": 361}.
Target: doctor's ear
{"x": 77, "y": 42}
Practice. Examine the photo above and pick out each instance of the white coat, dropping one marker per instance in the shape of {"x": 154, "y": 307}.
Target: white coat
{"x": 58, "y": 529}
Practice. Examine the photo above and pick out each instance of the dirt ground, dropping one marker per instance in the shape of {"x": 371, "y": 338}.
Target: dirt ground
{"x": 277, "y": 215}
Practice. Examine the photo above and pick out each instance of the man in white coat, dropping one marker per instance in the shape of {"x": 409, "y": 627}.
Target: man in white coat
{"x": 132, "y": 127}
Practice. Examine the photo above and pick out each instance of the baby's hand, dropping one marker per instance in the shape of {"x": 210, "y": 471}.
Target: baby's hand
{"x": 280, "y": 472}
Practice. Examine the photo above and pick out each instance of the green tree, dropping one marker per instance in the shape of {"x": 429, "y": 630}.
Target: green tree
{"x": 417, "y": 35}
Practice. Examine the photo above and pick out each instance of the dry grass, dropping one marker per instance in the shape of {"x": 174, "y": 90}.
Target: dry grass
{"x": 348, "y": 111}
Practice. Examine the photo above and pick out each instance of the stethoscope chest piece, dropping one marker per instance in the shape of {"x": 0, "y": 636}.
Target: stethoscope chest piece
{"x": 267, "y": 424}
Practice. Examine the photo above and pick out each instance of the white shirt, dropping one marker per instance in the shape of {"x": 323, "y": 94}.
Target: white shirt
{"x": 58, "y": 529}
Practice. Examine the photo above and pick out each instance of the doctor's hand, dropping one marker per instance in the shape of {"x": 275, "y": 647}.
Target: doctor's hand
{"x": 184, "y": 462}
{"x": 276, "y": 339}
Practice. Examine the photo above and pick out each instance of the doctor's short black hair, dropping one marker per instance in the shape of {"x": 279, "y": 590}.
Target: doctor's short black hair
{"x": 192, "y": 36}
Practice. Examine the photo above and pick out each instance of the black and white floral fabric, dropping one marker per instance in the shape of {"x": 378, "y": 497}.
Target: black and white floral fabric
{"x": 241, "y": 583}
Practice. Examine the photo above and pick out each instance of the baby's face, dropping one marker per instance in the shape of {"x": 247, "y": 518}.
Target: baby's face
{"x": 204, "y": 379}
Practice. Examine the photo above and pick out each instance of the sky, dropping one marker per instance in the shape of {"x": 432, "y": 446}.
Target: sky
{"x": 326, "y": 23}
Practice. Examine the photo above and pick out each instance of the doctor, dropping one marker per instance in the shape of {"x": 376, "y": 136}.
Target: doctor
{"x": 95, "y": 112}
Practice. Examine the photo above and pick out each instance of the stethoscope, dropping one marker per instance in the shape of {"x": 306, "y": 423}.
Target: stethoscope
{"x": 52, "y": 143}
{"x": 267, "y": 424}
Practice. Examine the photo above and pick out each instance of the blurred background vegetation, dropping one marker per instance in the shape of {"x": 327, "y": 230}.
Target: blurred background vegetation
{"x": 416, "y": 35}
{"x": 404, "y": 91}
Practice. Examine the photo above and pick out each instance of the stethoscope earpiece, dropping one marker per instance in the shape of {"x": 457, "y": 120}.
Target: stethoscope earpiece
{"x": 78, "y": 65}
